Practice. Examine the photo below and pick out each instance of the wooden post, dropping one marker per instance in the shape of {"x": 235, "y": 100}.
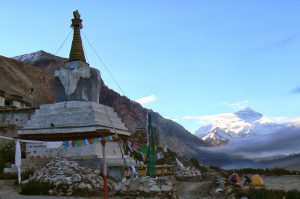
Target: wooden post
{"x": 105, "y": 188}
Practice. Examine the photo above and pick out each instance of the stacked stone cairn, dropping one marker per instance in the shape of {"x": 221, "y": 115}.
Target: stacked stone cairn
{"x": 68, "y": 178}
{"x": 188, "y": 174}
{"x": 146, "y": 186}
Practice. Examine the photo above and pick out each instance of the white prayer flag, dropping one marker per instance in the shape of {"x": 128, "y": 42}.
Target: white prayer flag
{"x": 18, "y": 159}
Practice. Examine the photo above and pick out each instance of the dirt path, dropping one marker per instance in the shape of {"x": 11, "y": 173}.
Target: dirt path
{"x": 193, "y": 190}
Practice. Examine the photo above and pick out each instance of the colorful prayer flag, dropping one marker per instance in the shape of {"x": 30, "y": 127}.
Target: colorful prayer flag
{"x": 165, "y": 149}
{"x": 158, "y": 156}
{"x": 67, "y": 144}
{"x": 109, "y": 138}
{"x": 77, "y": 143}
{"x": 85, "y": 141}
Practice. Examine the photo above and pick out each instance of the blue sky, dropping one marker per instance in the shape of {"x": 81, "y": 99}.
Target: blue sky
{"x": 190, "y": 58}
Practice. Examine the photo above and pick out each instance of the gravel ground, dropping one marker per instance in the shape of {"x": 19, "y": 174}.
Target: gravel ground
{"x": 193, "y": 190}
{"x": 285, "y": 182}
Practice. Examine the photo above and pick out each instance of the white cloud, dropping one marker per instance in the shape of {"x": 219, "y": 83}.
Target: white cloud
{"x": 220, "y": 119}
{"x": 147, "y": 99}
{"x": 225, "y": 120}
{"x": 236, "y": 105}
{"x": 174, "y": 119}
{"x": 240, "y": 104}
{"x": 279, "y": 119}
{"x": 282, "y": 142}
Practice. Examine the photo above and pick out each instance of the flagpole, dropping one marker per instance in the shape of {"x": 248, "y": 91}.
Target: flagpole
{"x": 105, "y": 188}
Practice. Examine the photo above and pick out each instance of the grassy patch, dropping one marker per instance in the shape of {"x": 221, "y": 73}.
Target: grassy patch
{"x": 42, "y": 188}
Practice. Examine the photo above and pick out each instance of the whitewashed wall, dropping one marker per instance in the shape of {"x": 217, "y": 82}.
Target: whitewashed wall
{"x": 41, "y": 150}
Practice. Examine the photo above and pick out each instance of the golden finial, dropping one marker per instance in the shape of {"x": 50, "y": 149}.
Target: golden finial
{"x": 76, "y": 53}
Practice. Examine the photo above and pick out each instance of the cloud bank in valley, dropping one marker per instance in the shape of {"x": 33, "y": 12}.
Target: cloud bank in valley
{"x": 282, "y": 142}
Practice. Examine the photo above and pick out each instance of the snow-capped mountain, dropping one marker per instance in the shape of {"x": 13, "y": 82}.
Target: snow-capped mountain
{"x": 31, "y": 57}
{"x": 248, "y": 115}
{"x": 231, "y": 126}
{"x": 42, "y": 60}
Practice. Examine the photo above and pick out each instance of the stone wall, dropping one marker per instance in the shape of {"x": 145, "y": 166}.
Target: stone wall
{"x": 17, "y": 117}
{"x": 2, "y": 101}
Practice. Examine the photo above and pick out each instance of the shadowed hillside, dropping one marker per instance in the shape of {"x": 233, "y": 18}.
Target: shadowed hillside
{"x": 19, "y": 78}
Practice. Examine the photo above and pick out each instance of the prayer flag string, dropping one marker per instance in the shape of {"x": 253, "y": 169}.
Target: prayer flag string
{"x": 83, "y": 142}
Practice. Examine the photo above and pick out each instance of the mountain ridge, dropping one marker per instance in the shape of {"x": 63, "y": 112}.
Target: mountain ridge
{"x": 170, "y": 133}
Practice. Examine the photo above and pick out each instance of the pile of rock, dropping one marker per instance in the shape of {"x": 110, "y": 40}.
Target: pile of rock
{"x": 189, "y": 174}
{"x": 68, "y": 177}
{"x": 145, "y": 186}
{"x": 221, "y": 188}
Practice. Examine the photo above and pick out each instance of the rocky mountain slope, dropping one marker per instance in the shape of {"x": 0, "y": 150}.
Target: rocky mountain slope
{"x": 232, "y": 126}
{"x": 19, "y": 78}
{"x": 132, "y": 113}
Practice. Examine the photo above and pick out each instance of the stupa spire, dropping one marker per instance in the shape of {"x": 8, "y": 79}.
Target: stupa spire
{"x": 76, "y": 53}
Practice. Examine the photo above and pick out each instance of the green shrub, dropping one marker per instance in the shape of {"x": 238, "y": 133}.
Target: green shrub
{"x": 7, "y": 176}
{"x": 2, "y": 162}
{"x": 269, "y": 172}
{"x": 7, "y": 153}
{"x": 293, "y": 194}
{"x": 194, "y": 162}
{"x": 215, "y": 168}
{"x": 36, "y": 188}
{"x": 27, "y": 174}
{"x": 268, "y": 194}
{"x": 24, "y": 175}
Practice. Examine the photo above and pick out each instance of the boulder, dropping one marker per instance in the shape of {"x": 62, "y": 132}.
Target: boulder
{"x": 166, "y": 188}
{"x": 155, "y": 188}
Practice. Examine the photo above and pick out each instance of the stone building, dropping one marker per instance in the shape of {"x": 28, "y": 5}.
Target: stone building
{"x": 16, "y": 101}
{"x": 12, "y": 101}
{"x": 14, "y": 110}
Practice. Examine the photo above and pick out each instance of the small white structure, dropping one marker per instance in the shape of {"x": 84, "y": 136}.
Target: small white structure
{"x": 2, "y": 99}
